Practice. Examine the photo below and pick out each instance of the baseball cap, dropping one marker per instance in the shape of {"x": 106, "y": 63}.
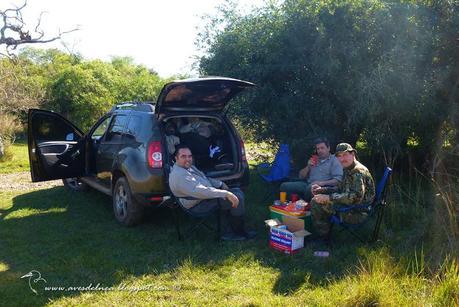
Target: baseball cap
{"x": 343, "y": 147}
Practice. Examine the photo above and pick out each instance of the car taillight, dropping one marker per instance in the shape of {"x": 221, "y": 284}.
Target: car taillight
{"x": 244, "y": 158}
{"x": 155, "y": 156}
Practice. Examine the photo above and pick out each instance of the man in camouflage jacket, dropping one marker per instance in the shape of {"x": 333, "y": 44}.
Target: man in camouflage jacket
{"x": 357, "y": 187}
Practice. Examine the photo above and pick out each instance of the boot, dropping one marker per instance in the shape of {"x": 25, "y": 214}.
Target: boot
{"x": 229, "y": 234}
{"x": 238, "y": 226}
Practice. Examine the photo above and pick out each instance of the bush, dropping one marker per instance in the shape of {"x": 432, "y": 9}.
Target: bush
{"x": 9, "y": 126}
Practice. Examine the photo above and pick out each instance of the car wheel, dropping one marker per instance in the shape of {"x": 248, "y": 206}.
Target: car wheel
{"x": 75, "y": 184}
{"x": 127, "y": 210}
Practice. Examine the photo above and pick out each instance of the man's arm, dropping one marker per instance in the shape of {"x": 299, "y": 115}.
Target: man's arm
{"x": 304, "y": 172}
{"x": 352, "y": 194}
{"x": 332, "y": 182}
{"x": 187, "y": 186}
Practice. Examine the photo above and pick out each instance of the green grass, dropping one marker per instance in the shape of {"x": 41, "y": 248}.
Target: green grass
{"x": 17, "y": 159}
{"x": 74, "y": 241}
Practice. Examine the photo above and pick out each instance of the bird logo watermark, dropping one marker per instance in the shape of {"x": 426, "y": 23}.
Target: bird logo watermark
{"x": 34, "y": 277}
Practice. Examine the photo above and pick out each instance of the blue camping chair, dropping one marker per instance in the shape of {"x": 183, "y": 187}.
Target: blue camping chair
{"x": 279, "y": 169}
{"x": 374, "y": 210}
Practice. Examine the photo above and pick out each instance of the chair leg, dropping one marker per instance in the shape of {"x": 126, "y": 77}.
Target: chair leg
{"x": 219, "y": 225}
{"x": 177, "y": 223}
{"x": 375, "y": 234}
{"x": 354, "y": 233}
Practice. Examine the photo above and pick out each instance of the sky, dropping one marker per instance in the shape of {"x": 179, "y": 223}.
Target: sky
{"x": 157, "y": 34}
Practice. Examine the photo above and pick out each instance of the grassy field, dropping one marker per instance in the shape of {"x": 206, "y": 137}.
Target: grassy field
{"x": 17, "y": 161}
{"x": 87, "y": 259}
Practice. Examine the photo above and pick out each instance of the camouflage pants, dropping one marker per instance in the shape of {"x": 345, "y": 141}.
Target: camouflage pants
{"x": 321, "y": 217}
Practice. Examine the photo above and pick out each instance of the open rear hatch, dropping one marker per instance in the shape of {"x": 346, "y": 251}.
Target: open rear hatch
{"x": 203, "y": 94}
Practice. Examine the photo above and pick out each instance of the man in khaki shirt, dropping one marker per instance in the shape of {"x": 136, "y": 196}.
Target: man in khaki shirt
{"x": 186, "y": 181}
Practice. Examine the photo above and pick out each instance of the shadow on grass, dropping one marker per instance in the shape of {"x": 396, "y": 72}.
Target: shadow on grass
{"x": 74, "y": 240}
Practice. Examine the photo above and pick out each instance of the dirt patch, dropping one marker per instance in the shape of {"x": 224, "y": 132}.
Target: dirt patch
{"x": 22, "y": 181}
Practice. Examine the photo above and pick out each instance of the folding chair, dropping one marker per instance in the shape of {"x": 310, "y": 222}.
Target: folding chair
{"x": 374, "y": 210}
{"x": 278, "y": 171}
{"x": 201, "y": 219}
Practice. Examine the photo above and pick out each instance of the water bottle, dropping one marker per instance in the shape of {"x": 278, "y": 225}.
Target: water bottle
{"x": 321, "y": 254}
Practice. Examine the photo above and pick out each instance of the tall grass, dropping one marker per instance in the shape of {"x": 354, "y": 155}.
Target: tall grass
{"x": 445, "y": 182}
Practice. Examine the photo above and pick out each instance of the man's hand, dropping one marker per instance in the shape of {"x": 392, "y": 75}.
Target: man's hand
{"x": 316, "y": 189}
{"x": 304, "y": 172}
{"x": 233, "y": 199}
{"x": 322, "y": 199}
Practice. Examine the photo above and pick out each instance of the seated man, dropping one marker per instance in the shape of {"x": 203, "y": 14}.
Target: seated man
{"x": 325, "y": 171}
{"x": 186, "y": 181}
{"x": 356, "y": 188}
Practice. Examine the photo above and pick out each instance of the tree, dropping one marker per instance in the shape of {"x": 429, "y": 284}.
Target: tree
{"x": 18, "y": 89}
{"x": 377, "y": 70}
{"x": 14, "y": 31}
{"x": 86, "y": 90}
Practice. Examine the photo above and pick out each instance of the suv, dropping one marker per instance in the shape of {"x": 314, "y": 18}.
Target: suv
{"x": 128, "y": 153}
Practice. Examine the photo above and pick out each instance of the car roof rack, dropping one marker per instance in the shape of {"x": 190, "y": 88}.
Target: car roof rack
{"x": 144, "y": 106}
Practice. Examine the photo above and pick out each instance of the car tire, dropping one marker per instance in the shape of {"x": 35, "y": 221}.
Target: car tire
{"x": 127, "y": 210}
{"x": 75, "y": 184}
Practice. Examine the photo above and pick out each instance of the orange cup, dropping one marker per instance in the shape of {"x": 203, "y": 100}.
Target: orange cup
{"x": 283, "y": 197}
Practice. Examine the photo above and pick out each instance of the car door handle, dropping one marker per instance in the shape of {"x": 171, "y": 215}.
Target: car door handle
{"x": 75, "y": 154}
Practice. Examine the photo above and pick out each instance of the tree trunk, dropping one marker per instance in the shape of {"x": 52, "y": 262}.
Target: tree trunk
{"x": 2, "y": 148}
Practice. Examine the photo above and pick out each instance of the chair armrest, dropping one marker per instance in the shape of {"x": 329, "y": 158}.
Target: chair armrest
{"x": 263, "y": 165}
{"x": 352, "y": 208}
{"x": 296, "y": 179}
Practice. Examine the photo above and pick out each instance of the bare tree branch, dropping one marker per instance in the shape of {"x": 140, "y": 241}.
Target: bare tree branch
{"x": 13, "y": 31}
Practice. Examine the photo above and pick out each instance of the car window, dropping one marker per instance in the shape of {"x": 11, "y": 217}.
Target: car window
{"x": 51, "y": 128}
{"x": 115, "y": 131}
{"x": 100, "y": 130}
{"x": 134, "y": 125}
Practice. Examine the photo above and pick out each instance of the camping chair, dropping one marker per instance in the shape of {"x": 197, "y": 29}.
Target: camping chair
{"x": 375, "y": 209}
{"x": 279, "y": 169}
{"x": 276, "y": 172}
{"x": 201, "y": 220}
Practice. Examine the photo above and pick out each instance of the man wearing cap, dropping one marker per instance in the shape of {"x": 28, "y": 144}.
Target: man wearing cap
{"x": 323, "y": 171}
{"x": 357, "y": 187}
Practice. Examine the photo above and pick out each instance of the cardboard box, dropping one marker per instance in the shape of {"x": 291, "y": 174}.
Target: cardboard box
{"x": 287, "y": 240}
{"x": 305, "y": 216}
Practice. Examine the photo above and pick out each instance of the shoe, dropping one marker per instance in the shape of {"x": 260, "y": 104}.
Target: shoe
{"x": 231, "y": 236}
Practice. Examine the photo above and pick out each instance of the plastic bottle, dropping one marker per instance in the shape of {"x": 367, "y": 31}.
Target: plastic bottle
{"x": 321, "y": 254}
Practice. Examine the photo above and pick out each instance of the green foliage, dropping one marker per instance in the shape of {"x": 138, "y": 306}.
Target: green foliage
{"x": 85, "y": 91}
{"x": 382, "y": 70}
{"x": 80, "y": 89}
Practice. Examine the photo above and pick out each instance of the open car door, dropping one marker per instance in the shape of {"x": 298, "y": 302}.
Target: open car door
{"x": 56, "y": 147}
